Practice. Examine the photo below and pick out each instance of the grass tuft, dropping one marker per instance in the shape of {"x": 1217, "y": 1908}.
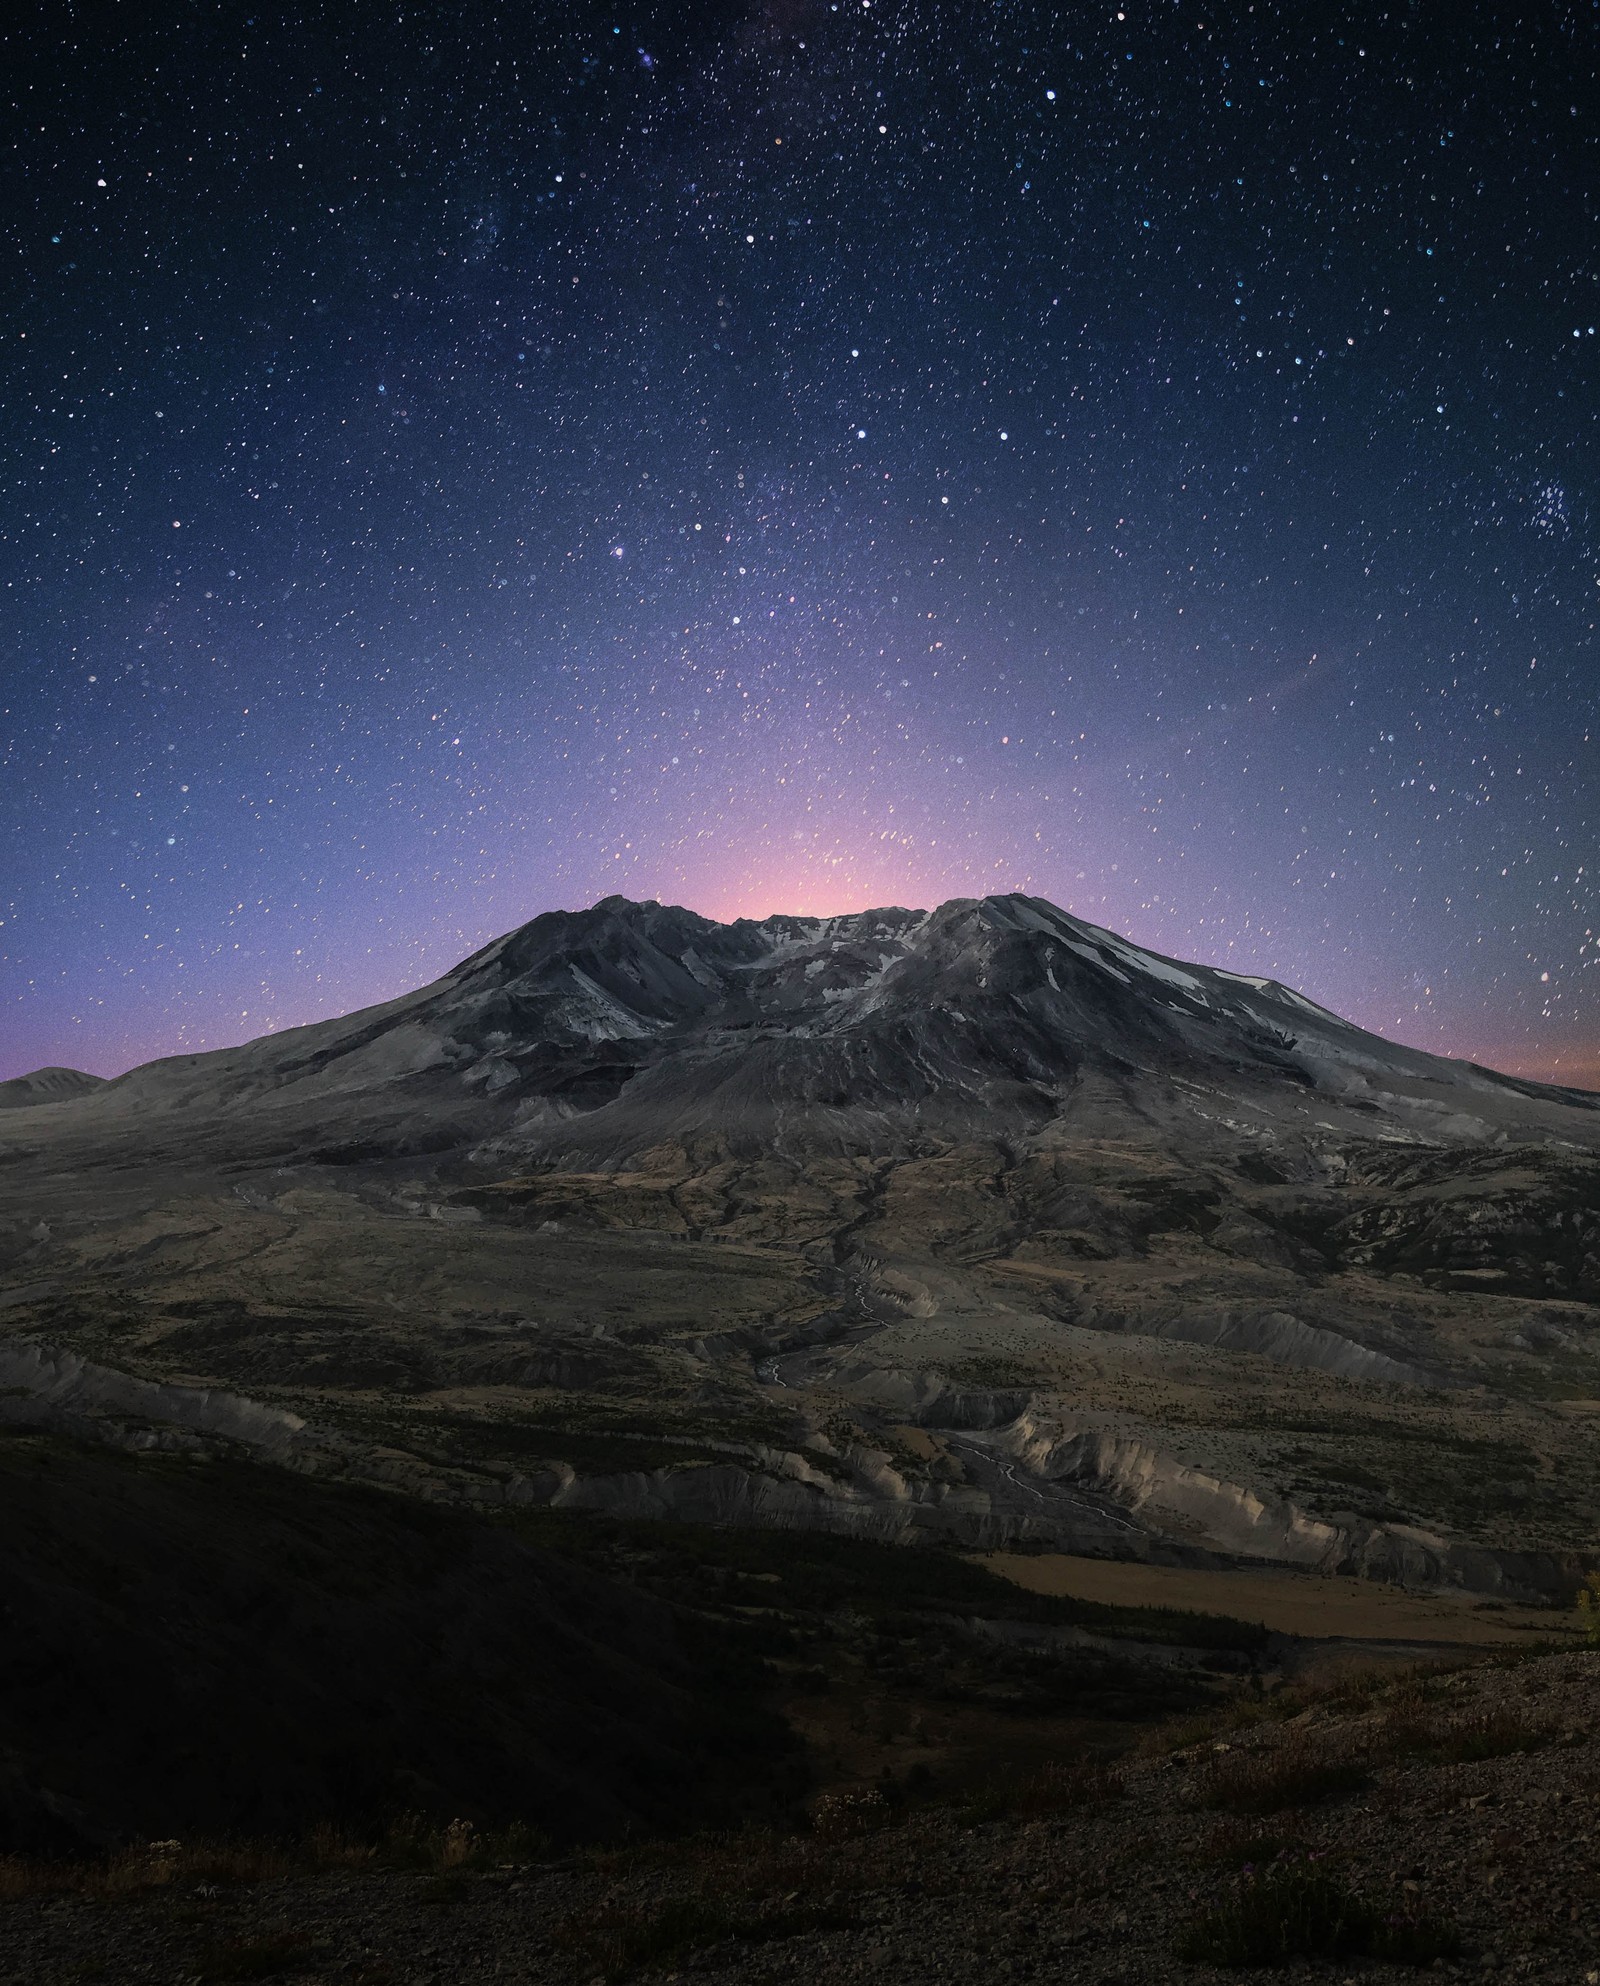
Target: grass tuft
{"x": 256, "y": 1958}
{"x": 1058, "y": 1789}
{"x": 411, "y": 1842}
{"x": 1273, "y": 1780}
{"x": 1295, "y": 1910}
{"x": 630, "y": 1937}
{"x": 852, "y": 1811}
{"x": 1460, "y": 1740}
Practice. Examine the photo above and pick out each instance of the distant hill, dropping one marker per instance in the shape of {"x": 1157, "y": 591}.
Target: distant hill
{"x": 48, "y": 1086}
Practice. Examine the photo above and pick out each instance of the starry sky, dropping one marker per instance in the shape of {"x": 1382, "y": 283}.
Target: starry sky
{"x": 457, "y": 461}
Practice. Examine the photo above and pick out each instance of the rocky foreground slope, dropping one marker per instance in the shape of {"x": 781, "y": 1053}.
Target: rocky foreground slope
{"x": 1448, "y": 1822}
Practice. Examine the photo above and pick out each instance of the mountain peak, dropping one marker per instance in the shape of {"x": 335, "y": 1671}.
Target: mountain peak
{"x": 613, "y": 1029}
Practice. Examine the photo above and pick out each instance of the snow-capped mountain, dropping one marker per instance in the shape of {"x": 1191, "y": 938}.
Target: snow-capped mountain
{"x": 603, "y": 1032}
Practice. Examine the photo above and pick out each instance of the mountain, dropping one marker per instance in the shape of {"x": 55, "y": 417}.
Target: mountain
{"x": 978, "y": 1224}
{"x": 601, "y": 1033}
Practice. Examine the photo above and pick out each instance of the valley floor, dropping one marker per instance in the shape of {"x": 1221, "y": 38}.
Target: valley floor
{"x": 1450, "y": 1818}
{"x": 1294, "y": 1603}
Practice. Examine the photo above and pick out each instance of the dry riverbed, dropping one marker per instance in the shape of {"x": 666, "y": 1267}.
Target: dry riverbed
{"x": 1298, "y": 1603}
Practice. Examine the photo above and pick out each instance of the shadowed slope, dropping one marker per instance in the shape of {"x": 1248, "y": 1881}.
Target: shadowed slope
{"x": 218, "y": 1647}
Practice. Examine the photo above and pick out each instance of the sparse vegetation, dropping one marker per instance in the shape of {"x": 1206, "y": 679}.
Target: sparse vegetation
{"x": 594, "y": 1442}
{"x": 818, "y": 1572}
{"x": 415, "y": 1842}
{"x": 850, "y": 1811}
{"x": 1296, "y": 1909}
{"x": 410, "y": 1842}
{"x": 256, "y": 1958}
{"x": 1007, "y": 1373}
{"x": 626, "y": 1937}
{"x": 1399, "y": 1717}
{"x": 1278, "y": 1778}
{"x": 160, "y": 1865}
{"x": 1057, "y": 1789}
{"x": 1409, "y": 1731}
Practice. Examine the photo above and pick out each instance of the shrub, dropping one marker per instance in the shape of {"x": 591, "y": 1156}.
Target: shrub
{"x": 1274, "y": 1779}
{"x": 1295, "y": 1910}
{"x": 1461, "y": 1740}
{"x": 1057, "y": 1789}
{"x": 842, "y": 1815}
{"x": 417, "y": 1843}
{"x": 257, "y": 1958}
{"x": 1237, "y": 1846}
{"x": 628, "y": 1937}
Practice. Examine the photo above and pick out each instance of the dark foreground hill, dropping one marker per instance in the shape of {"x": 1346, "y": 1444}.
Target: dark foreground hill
{"x": 1437, "y": 1826}
{"x": 215, "y": 1648}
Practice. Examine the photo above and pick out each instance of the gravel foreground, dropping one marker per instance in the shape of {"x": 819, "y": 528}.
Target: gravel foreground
{"x": 1464, "y": 1802}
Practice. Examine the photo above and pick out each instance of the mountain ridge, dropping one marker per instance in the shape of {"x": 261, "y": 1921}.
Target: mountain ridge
{"x": 979, "y": 1223}
{"x": 623, "y": 1013}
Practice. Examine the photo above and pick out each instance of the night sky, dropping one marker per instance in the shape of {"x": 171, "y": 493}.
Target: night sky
{"x": 461, "y": 461}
